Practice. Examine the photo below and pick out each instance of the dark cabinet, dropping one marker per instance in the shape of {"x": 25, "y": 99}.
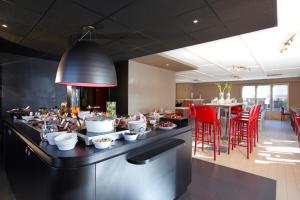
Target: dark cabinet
{"x": 159, "y": 171}
{"x": 31, "y": 178}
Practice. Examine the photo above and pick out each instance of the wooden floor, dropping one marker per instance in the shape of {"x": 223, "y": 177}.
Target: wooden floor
{"x": 277, "y": 156}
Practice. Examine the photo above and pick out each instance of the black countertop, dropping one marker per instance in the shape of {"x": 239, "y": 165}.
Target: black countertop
{"x": 83, "y": 155}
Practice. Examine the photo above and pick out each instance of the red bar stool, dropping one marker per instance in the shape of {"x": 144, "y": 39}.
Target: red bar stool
{"x": 206, "y": 118}
{"x": 242, "y": 128}
{"x": 255, "y": 126}
{"x": 236, "y": 110}
{"x": 257, "y": 112}
{"x": 293, "y": 121}
{"x": 297, "y": 120}
{"x": 192, "y": 114}
{"x": 192, "y": 111}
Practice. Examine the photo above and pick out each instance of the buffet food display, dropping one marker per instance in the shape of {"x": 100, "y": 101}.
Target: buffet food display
{"x": 100, "y": 129}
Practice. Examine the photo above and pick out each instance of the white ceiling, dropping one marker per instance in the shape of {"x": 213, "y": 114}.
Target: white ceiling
{"x": 259, "y": 51}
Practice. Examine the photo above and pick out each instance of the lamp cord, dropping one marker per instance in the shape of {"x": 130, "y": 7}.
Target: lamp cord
{"x": 88, "y": 32}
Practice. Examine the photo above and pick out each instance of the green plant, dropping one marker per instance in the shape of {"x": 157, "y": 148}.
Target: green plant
{"x": 229, "y": 87}
{"x": 219, "y": 86}
{"x": 111, "y": 108}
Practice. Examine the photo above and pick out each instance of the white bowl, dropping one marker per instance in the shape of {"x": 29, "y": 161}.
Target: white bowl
{"x": 130, "y": 137}
{"x": 66, "y": 141}
{"x": 101, "y": 145}
{"x": 27, "y": 118}
{"x": 137, "y": 126}
{"x": 95, "y": 126}
{"x": 152, "y": 121}
{"x": 50, "y": 137}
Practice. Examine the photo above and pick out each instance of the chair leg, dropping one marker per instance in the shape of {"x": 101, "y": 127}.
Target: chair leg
{"x": 203, "y": 137}
{"x": 226, "y": 124}
{"x": 248, "y": 142}
{"x": 214, "y": 129}
{"x": 229, "y": 137}
{"x": 219, "y": 139}
{"x": 196, "y": 137}
{"x": 257, "y": 130}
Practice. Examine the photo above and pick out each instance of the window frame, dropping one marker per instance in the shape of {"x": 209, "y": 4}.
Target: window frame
{"x": 288, "y": 99}
{"x": 271, "y": 93}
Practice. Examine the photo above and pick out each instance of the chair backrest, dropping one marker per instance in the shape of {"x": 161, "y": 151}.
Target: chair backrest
{"x": 297, "y": 119}
{"x": 237, "y": 110}
{"x": 258, "y": 108}
{"x": 205, "y": 114}
{"x": 192, "y": 111}
{"x": 252, "y": 112}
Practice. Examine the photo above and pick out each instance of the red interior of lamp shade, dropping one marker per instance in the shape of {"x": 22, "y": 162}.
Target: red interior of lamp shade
{"x": 86, "y": 84}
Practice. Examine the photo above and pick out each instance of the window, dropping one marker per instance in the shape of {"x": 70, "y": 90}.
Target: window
{"x": 263, "y": 96}
{"x": 248, "y": 95}
{"x": 271, "y": 97}
{"x": 280, "y": 97}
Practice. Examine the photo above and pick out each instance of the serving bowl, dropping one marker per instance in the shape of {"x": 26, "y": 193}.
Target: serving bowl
{"x": 66, "y": 141}
{"x": 97, "y": 126}
{"x": 137, "y": 126}
{"x": 130, "y": 136}
{"x": 50, "y": 137}
{"x": 102, "y": 143}
{"x": 27, "y": 118}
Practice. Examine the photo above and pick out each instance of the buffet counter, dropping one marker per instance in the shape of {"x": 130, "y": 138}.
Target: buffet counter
{"x": 159, "y": 165}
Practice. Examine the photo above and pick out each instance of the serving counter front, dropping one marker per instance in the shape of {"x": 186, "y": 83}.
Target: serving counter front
{"x": 157, "y": 167}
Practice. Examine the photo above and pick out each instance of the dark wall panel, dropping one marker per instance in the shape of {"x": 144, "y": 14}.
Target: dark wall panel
{"x": 31, "y": 82}
{"x": 120, "y": 93}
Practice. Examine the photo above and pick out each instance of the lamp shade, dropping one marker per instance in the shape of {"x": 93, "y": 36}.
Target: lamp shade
{"x": 85, "y": 64}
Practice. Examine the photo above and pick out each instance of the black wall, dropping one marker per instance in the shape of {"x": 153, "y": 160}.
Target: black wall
{"x": 120, "y": 93}
{"x": 31, "y": 82}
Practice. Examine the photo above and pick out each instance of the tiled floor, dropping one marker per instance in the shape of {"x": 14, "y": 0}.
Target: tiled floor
{"x": 277, "y": 156}
{"x": 216, "y": 182}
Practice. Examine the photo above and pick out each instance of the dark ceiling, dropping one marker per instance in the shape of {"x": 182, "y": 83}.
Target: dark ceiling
{"x": 130, "y": 28}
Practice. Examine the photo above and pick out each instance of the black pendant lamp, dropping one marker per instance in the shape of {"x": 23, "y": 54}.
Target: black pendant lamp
{"x": 85, "y": 64}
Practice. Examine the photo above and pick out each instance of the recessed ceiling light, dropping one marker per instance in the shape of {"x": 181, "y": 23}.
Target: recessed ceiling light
{"x": 167, "y": 64}
{"x": 195, "y": 21}
{"x": 4, "y": 25}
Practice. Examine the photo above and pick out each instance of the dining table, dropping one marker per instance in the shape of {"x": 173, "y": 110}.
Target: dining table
{"x": 227, "y": 107}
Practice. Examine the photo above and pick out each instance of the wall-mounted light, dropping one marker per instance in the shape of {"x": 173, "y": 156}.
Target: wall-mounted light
{"x": 4, "y": 25}
{"x": 195, "y": 21}
{"x": 287, "y": 44}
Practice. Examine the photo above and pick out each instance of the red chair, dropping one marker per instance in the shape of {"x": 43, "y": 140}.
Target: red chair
{"x": 294, "y": 121}
{"x": 297, "y": 121}
{"x": 192, "y": 111}
{"x": 243, "y": 128}
{"x": 236, "y": 110}
{"x": 256, "y": 120}
{"x": 206, "y": 118}
{"x": 257, "y": 112}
